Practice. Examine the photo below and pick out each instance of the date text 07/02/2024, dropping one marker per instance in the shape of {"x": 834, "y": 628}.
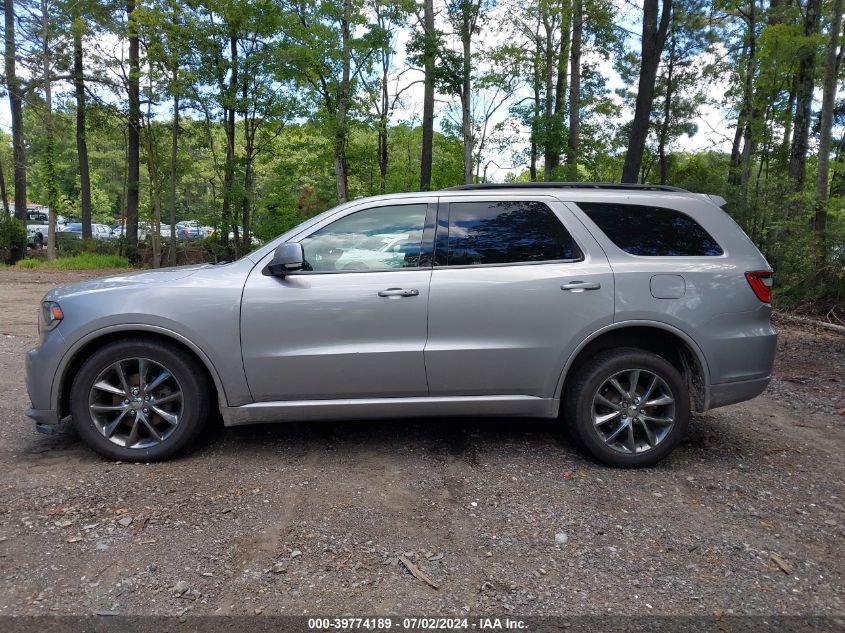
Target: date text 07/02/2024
{"x": 415, "y": 623}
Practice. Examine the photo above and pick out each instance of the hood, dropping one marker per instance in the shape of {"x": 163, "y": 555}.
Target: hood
{"x": 122, "y": 280}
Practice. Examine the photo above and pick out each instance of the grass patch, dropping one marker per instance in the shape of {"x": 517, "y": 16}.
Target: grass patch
{"x": 83, "y": 261}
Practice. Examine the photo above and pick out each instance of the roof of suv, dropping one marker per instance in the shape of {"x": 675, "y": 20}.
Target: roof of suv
{"x": 615, "y": 186}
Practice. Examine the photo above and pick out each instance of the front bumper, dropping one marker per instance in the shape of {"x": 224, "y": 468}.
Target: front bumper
{"x": 41, "y": 367}
{"x": 46, "y": 420}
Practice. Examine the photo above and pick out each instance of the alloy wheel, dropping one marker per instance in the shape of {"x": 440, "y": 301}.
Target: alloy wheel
{"x": 136, "y": 403}
{"x": 633, "y": 411}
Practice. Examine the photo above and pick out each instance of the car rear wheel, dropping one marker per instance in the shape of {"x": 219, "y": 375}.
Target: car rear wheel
{"x": 139, "y": 400}
{"x": 627, "y": 408}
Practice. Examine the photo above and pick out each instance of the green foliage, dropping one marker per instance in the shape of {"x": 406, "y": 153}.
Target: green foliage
{"x": 799, "y": 278}
{"x": 12, "y": 236}
{"x": 82, "y": 261}
{"x": 278, "y": 69}
{"x": 215, "y": 250}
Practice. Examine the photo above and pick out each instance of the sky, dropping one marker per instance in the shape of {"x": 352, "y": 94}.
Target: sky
{"x": 714, "y": 123}
{"x": 714, "y": 127}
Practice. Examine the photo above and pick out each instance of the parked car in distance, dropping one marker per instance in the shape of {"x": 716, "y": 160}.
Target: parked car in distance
{"x": 119, "y": 231}
{"x": 164, "y": 230}
{"x": 202, "y": 231}
{"x": 98, "y": 231}
{"x": 188, "y": 232}
{"x": 615, "y": 309}
{"x": 38, "y": 227}
{"x": 252, "y": 239}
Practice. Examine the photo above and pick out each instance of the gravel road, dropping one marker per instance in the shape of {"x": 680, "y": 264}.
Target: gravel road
{"x": 746, "y": 517}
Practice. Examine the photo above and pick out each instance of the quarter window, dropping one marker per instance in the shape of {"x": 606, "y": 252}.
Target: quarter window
{"x": 651, "y": 231}
{"x": 507, "y": 232}
{"x": 379, "y": 238}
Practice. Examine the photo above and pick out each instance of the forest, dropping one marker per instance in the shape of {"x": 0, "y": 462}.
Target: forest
{"x": 254, "y": 115}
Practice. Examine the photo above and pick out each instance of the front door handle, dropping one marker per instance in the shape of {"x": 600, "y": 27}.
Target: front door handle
{"x": 399, "y": 292}
{"x": 580, "y": 286}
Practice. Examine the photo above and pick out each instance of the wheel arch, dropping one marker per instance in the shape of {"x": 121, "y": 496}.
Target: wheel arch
{"x": 98, "y": 339}
{"x": 660, "y": 338}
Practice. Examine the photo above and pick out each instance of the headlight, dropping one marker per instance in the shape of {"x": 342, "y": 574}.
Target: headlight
{"x": 51, "y": 315}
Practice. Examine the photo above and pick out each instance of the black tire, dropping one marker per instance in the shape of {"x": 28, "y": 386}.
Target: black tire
{"x": 578, "y": 405}
{"x": 187, "y": 371}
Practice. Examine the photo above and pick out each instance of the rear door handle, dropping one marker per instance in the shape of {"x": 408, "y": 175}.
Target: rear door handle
{"x": 580, "y": 286}
{"x": 399, "y": 292}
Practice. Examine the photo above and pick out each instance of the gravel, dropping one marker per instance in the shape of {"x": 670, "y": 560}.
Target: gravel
{"x": 503, "y": 516}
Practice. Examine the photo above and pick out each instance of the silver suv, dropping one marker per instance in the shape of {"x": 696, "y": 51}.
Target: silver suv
{"x": 615, "y": 308}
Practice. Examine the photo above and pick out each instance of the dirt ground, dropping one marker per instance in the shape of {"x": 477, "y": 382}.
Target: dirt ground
{"x": 504, "y": 517}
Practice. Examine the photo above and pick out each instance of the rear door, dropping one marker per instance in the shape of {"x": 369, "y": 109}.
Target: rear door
{"x": 518, "y": 283}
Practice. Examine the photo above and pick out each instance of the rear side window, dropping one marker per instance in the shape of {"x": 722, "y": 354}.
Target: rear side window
{"x": 508, "y": 232}
{"x": 651, "y": 231}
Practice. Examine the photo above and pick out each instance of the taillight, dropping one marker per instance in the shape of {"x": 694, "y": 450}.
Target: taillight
{"x": 761, "y": 283}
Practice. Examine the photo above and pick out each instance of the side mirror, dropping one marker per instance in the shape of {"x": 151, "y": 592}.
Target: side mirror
{"x": 287, "y": 258}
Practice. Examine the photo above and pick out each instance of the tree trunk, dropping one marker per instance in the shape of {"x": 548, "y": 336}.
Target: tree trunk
{"x": 805, "y": 82}
{"x": 466, "y": 97}
{"x": 250, "y": 127}
{"x": 828, "y": 104}
{"x": 551, "y": 145}
{"x": 3, "y": 195}
{"x": 382, "y": 127}
{"x": 155, "y": 194}
{"x": 340, "y": 165}
{"x": 535, "y": 123}
{"x": 14, "y": 90}
{"x": 787, "y": 126}
{"x": 664, "y": 129}
{"x": 837, "y": 181}
{"x": 654, "y": 37}
{"x": 736, "y": 148}
{"x": 748, "y": 49}
{"x": 663, "y": 136}
{"x": 229, "y": 124}
{"x": 81, "y": 134}
{"x": 174, "y": 153}
{"x": 50, "y": 150}
{"x": 574, "y": 139}
{"x": 428, "y": 97}
{"x": 246, "y": 206}
{"x": 133, "y": 129}
{"x": 740, "y": 165}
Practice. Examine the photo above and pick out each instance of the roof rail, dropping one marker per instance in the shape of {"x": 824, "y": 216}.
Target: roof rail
{"x": 563, "y": 185}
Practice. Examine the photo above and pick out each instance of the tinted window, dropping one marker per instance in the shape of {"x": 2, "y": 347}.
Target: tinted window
{"x": 506, "y": 232}
{"x": 651, "y": 231}
{"x": 373, "y": 239}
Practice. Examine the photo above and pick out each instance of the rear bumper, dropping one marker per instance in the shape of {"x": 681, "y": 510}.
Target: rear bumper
{"x": 723, "y": 394}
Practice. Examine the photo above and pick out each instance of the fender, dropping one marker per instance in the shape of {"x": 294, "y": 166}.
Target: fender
{"x": 59, "y": 376}
{"x": 702, "y": 361}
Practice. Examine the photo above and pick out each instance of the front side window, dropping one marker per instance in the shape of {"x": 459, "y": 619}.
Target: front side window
{"x": 508, "y": 232}
{"x": 651, "y": 231}
{"x": 379, "y": 238}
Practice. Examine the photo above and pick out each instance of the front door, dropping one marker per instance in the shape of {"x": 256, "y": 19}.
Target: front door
{"x": 517, "y": 284}
{"x": 352, "y": 324}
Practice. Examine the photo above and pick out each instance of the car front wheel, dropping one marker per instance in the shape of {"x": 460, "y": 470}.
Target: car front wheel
{"x": 139, "y": 400}
{"x": 627, "y": 408}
